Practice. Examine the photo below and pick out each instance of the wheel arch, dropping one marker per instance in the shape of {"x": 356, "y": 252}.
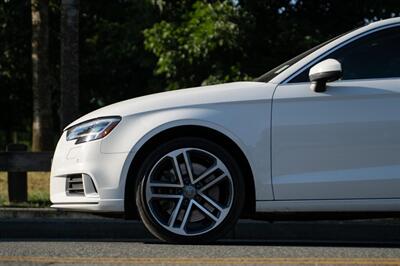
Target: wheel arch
{"x": 191, "y": 131}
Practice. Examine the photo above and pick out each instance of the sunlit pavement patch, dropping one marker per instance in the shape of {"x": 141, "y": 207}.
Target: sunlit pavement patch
{"x": 204, "y": 261}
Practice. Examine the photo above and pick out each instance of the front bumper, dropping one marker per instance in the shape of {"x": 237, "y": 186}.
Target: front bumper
{"x": 102, "y": 189}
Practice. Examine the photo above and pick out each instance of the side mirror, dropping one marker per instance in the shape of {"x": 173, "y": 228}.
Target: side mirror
{"x": 323, "y": 72}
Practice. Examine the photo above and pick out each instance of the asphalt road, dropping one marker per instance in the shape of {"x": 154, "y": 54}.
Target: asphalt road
{"x": 73, "y": 241}
{"x": 223, "y": 253}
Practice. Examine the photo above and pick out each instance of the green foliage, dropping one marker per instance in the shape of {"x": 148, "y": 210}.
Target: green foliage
{"x": 285, "y": 28}
{"x": 114, "y": 65}
{"x": 130, "y": 48}
{"x": 202, "y": 47}
{"x": 15, "y": 77}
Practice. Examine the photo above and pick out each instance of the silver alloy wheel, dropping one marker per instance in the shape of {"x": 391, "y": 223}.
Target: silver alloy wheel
{"x": 189, "y": 191}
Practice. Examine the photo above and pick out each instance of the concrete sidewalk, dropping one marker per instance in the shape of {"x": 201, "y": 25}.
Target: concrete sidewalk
{"x": 16, "y": 223}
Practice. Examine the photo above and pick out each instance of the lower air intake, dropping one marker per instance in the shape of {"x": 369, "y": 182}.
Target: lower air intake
{"x": 74, "y": 185}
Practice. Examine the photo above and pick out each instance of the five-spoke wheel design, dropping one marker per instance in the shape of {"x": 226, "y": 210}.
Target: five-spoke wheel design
{"x": 189, "y": 191}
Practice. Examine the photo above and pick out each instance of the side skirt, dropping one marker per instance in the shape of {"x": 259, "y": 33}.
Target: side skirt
{"x": 352, "y": 205}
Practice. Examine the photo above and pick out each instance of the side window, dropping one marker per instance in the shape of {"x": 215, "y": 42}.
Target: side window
{"x": 376, "y": 55}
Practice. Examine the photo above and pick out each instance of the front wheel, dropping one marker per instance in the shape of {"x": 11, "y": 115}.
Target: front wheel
{"x": 189, "y": 190}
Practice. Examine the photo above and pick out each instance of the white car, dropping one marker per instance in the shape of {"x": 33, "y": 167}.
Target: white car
{"x": 319, "y": 133}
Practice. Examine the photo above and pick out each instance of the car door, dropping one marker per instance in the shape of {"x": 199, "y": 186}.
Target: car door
{"x": 343, "y": 143}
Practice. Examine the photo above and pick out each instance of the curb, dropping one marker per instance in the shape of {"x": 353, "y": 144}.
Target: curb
{"x": 31, "y": 213}
{"x": 46, "y": 223}
{"x": 245, "y": 230}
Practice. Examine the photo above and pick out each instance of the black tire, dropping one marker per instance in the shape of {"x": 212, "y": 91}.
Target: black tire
{"x": 237, "y": 200}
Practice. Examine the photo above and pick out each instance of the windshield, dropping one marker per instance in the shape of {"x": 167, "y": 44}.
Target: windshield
{"x": 277, "y": 70}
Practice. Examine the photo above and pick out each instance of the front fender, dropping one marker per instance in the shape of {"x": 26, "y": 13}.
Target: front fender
{"x": 232, "y": 120}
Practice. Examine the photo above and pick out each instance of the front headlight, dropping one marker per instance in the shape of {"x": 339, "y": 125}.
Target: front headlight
{"x": 92, "y": 130}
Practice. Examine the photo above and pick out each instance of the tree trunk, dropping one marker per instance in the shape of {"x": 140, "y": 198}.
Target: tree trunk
{"x": 69, "y": 81}
{"x": 42, "y": 128}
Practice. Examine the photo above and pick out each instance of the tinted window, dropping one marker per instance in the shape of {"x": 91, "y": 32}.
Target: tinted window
{"x": 376, "y": 55}
{"x": 277, "y": 70}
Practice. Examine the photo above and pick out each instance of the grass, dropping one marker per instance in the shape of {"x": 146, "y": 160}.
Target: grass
{"x": 38, "y": 190}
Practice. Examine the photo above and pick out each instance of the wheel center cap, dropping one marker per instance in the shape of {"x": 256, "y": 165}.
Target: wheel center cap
{"x": 189, "y": 192}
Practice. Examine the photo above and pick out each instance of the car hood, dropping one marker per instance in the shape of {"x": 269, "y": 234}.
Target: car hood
{"x": 221, "y": 93}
